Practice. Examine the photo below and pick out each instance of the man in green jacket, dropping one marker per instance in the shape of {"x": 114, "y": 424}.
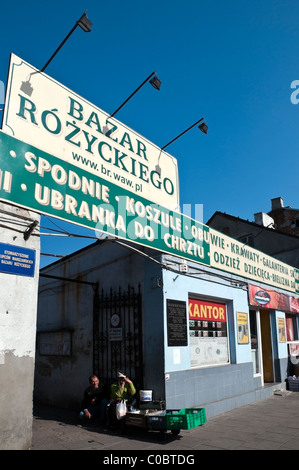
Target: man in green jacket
{"x": 124, "y": 388}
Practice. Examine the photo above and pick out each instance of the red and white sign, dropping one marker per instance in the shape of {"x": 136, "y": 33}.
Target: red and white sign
{"x": 206, "y": 311}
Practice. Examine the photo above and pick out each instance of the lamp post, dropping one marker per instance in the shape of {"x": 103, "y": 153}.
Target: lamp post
{"x": 153, "y": 80}
{"x": 84, "y": 24}
{"x": 202, "y": 127}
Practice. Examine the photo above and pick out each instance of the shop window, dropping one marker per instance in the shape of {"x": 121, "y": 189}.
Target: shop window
{"x": 248, "y": 240}
{"x": 208, "y": 333}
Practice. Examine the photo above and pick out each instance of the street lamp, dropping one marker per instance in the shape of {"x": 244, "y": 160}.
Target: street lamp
{"x": 84, "y": 24}
{"x": 202, "y": 127}
{"x": 153, "y": 80}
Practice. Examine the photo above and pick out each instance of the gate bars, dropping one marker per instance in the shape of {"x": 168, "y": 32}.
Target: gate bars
{"x": 117, "y": 335}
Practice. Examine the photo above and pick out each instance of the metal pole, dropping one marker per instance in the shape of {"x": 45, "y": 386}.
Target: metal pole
{"x": 162, "y": 148}
{"x": 146, "y": 80}
{"x": 58, "y": 49}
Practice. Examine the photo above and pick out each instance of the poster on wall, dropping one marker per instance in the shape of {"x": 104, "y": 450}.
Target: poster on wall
{"x": 294, "y": 304}
{"x": 268, "y": 298}
{"x": 17, "y": 260}
{"x": 115, "y": 332}
{"x": 177, "y": 323}
{"x": 281, "y": 330}
{"x": 207, "y": 333}
{"x": 243, "y": 329}
{"x": 294, "y": 350}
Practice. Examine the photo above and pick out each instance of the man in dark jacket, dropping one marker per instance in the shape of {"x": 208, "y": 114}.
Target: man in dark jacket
{"x": 94, "y": 402}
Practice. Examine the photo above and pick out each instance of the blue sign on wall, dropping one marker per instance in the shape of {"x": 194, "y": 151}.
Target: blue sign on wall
{"x": 17, "y": 260}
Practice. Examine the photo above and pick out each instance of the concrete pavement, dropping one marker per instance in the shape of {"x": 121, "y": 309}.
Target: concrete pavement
{"x": 270, "y": 424}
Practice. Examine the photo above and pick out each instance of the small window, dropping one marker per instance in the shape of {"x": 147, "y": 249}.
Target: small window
{"x": 248, "y": 240}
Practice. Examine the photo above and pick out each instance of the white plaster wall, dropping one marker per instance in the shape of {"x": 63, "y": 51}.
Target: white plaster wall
{"x": 18, "y": 308}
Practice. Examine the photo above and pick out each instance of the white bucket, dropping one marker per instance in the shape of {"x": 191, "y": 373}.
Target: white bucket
{"x": 146, "y": 395}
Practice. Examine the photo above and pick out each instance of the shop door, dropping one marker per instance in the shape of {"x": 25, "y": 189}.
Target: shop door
{"x": 266, "y": 346}
{"x": 118, "y": 335}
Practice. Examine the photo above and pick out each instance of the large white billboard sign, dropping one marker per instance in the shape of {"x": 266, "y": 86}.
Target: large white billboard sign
{"x": 44, "y": 113}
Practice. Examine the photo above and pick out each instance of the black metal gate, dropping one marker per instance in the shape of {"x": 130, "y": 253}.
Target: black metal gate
{"x": 117, "y": 333}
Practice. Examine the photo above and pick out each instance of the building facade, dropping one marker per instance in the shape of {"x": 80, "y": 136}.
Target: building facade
{"x": 194, "y": 335}
{"x": 19, "y": 273}
{"x": 286, "y": 218}
{"x": 263, "y": 234}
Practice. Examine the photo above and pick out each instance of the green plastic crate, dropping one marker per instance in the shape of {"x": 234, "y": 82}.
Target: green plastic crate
{"x": 186, "y": 418}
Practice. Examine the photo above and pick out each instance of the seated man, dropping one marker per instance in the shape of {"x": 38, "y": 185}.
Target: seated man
{"x": 122, "y": 389}
{"x": 94, "y": 402}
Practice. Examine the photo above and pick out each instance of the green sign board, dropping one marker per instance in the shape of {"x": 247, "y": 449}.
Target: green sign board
{"x": 36, "y": 180}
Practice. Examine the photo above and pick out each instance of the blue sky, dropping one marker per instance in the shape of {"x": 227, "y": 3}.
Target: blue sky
{"x": 232, "y": 62}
